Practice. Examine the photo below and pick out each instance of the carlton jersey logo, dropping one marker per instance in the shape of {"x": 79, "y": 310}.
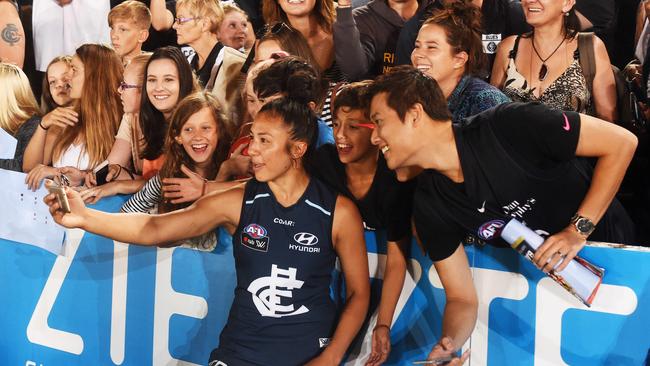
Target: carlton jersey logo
{"x": 490, "y": 42}
{"x": 491, "y": 229}
{"x": 255, "y": 237}
{"x": 305, "y": 243}
{"x": 267, "y": 293}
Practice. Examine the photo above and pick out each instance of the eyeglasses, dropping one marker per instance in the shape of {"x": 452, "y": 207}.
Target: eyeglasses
{"x": 181, "y": 21}
{"x": 123, "y": 86}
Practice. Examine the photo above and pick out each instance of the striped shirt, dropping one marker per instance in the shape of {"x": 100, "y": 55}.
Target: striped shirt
{"x": 145, "y": 200}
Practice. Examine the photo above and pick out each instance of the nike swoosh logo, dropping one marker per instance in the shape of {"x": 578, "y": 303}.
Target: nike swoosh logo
{"x": 566, "y": 126}
{"x": 482, "y": 209}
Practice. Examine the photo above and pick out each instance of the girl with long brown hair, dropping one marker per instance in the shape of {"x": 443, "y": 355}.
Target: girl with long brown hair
{"x": 80, "y": 146}
{"x": 198, "y": 138}
{"x": 125, "y": 154}
{"x": 167, "y": 79}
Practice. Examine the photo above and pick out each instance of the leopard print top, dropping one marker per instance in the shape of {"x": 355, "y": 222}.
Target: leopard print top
{"x": 568, "y": 92}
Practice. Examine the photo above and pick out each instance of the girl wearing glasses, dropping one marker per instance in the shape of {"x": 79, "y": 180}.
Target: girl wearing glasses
{"x": 288, "y": 228}
{"x": 124, "y": 160}
{"x": 83, "y": 135}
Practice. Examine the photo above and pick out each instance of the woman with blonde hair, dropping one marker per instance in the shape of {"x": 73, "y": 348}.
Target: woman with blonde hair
{"x": 196, "y": 24}
{"x": 19, "y": 112}
{"x": 88, "y": 135}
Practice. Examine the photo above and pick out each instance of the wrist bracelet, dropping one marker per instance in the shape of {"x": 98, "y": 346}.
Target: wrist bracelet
{"x": 381, "y": 326}
{"x": 40, "y": 123}
{"x": 117, "y": 176}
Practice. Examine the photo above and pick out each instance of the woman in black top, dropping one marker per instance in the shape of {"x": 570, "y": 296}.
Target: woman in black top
{"x": 516, "y": 160}
{"x": 354, "y": 167}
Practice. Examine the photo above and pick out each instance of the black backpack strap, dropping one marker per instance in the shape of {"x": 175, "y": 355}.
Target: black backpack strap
{"x": 587, "y": 57}
{"x": 515, "y": 47}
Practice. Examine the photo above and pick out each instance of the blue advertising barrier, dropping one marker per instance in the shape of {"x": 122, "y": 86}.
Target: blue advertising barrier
{"x": 108, "y": 303}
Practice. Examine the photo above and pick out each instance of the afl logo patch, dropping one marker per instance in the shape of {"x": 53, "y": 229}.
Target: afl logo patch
{"x": 490, "y": 229}
{"x": 255, "y": 237}
{"x": 255, "y": 231}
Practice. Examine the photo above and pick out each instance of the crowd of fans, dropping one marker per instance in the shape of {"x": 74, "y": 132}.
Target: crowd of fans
{"x": 177, "y": 99}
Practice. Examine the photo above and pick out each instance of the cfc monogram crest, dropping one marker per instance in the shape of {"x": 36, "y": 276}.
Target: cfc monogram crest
{"x": 268, "y": 291}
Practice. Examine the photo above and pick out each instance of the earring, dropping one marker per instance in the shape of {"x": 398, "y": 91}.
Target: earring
{"x": 566, "y": 14}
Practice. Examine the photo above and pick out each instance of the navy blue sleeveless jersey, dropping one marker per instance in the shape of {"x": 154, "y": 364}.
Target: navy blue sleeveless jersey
{"x": 282, "y": 313}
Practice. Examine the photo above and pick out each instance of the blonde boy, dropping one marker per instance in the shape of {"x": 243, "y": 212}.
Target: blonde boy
{"x": 129, "y": 23}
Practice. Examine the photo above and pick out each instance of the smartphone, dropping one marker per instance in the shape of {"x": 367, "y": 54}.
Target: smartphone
{"x": 59, "y": 191}
{"x": 101, "y": 171}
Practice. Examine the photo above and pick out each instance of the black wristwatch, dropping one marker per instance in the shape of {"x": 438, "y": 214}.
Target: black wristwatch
{"x": 583, "y": 225}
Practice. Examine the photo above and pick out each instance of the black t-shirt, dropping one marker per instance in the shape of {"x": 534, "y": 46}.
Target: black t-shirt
{"x": 601, "y": 13}
{"x": 204, "y": 73}
{"x": 518, "y": 161}
{"x": 386, "y": 205}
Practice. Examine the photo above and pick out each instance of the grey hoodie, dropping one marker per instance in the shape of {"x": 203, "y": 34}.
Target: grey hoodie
{"x": 365, "y": 39}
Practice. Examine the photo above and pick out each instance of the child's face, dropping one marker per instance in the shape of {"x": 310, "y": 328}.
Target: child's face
{"x": 58, "y": 79}
{"x": 130, "y": 91}
{"x": 265, "y": 49}
{"x": 253, "y": 104}
{"x": 233, "y": 30}
{"x": 126, "y": 38}
{"x": 352, "y": 135}
{"x": 199, "y": 137}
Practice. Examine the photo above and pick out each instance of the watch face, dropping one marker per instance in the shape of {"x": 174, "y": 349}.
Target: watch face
{"x": 584, "y": 225}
